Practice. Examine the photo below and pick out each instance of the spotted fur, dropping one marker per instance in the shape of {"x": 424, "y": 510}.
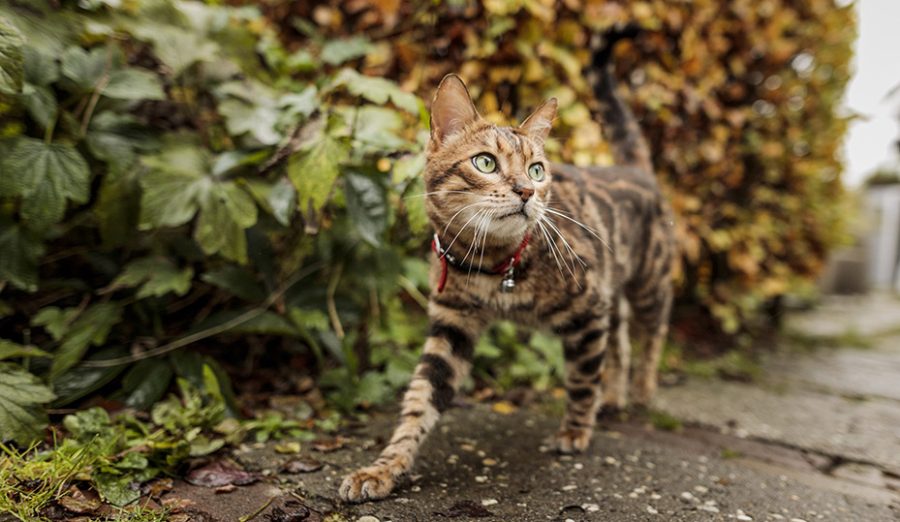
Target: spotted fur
{"x": 597, "y": 269}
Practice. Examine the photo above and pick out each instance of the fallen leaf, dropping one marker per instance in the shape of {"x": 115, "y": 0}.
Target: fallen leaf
{"x": 303, "y": 465}
{"x": 328, "y": 445}
{"x": 288, "y": 447}
{"x": 503, "y": 407}
{"x": 292, "y": 513}
{"x": 158, "y": 487}
{"x": 220, "y": 473}
{"x": 227, "y": 488}
{"x": 82, "y": 502}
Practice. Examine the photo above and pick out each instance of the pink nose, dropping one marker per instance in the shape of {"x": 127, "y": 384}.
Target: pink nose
{"x": 523, "y": 192}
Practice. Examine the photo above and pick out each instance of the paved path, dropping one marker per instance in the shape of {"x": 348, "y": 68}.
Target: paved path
{"x": 817, "y": 438}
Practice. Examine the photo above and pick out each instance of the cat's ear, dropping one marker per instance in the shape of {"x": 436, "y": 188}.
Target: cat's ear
{"x": 541, "y": 120}
{"x": 452, "y": 108}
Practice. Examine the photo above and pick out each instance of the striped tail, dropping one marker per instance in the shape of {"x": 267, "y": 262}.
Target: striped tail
{"x": 621, "y": 127}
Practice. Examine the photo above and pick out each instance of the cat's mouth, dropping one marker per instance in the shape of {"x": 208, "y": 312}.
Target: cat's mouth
{"x": 521, "y": 212}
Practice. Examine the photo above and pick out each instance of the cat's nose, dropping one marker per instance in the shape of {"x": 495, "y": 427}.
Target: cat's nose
{"x": 523, "y": 191}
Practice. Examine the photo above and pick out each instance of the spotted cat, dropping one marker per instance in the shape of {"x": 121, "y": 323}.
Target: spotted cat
{"x": 584, "y": 252}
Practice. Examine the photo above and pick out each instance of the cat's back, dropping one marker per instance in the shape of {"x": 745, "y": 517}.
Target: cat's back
{"x": 614, "y": 185}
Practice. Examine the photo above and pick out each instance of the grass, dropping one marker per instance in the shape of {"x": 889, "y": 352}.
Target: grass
{"x": 30, "y": 480}
{"x": 809, "y": 342}
{"x": 663, "y": 421}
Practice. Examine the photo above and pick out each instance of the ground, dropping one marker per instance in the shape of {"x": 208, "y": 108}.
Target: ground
{"x": 815, "y": 437}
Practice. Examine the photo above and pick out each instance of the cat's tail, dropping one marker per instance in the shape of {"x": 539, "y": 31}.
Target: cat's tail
{"x": 621, "y": 127}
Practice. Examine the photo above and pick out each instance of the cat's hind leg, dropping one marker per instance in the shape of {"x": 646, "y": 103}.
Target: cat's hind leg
{"x": 652, "y": 325}
{"x": 617, "y": 363}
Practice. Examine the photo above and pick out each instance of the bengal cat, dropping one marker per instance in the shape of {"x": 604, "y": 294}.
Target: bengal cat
{"x": 585, "y": 252}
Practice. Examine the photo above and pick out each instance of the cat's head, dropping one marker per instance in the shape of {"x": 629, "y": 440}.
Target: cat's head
{"x": 481, "y": 178}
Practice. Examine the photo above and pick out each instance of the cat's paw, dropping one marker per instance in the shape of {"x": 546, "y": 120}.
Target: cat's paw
{"x": 573, "y": 440}
{"x": 370, "y": 483}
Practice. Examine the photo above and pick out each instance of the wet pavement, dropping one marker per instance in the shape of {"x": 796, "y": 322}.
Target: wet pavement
{"x": 817, "y": 437}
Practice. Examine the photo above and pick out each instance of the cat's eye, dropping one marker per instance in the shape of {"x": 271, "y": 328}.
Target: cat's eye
{"x": 485, "y": 163}
{"x": 536, "y": 172}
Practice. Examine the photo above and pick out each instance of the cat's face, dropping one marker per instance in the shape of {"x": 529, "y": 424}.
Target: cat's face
{"x": 485, "y": 182}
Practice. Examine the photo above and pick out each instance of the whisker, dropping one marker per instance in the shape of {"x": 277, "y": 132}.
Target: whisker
{"x": 571, "y": 268}
{"x": 550, "y": 247}
{"x": 456, "y": 214}
{"x": 566, "y": 244}
{"x": 447, "y": 248}
{"x": 580, "y": 224}
{"x": 426, "y": 194}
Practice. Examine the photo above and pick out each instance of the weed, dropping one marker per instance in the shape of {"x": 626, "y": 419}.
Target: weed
{"x": 663, "y": 421}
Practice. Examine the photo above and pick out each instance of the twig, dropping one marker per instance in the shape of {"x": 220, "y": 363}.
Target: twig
{"x": 256, "y": 513}
{"x": 203, "y": 334}
{"x": 410, "y": 287}
{"x": 332, "y": 308}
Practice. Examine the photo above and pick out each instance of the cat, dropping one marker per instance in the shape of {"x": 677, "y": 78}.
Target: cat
{"x": 584, "y": 252}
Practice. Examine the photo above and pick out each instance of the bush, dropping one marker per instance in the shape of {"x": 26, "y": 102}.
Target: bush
{"x": 174, "y": 173}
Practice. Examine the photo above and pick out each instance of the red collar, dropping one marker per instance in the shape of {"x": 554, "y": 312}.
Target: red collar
{"x": 506, "y": 267}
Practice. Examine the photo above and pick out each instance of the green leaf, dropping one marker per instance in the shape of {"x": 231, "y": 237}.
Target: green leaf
{"x": 375, "y": 129}
{"x": 12, "y": 71}
{"x": 256, "y": 120}
{"x": 313, "y": 172}
{"x": 9, "y": 350}
{"x": 177, "y": 48}
{"x": 90, "y": 424}
{"x": 174, "y": 185}
{"x": 146, "y": 383}
{"x": 40, "y": 68}
{"x": 21, "y": 251}
{"x": 336, "y": 52}
{"x": 376, "y": 90}
{"x": 157, "y": 276}
{"x": 45, "y": 175}
{"x": 116, "y": 138}
{"x": 85, "y": 68}
{"x": 226, "y": 212}
{"x": 21, "y": 394}
{"x": 134, "y": 84}
{"x": 295, "y": 105}
{"x": 117, "y": 489}
{"x": 367, "y": 206}
{"x": 41, "y": 104}
{"x": 82, "y": 381}
{"x": 55, "y": 320}
{"x": 89, "y": 328}
{"x": 267, "y": 323}
{"x": 239, "y": 281}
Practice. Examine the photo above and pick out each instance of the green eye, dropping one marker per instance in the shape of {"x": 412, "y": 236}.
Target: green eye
{"x": 485, "y": 163}
{"x": 536, "y": 172}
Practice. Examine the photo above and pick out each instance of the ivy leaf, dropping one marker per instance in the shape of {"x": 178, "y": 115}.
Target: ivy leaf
{"x": 12, "y": 72}
{"x": 115, "y": 138}
{"x": 21, "y": 251}
{"x": 174, "y": 185}
{"x": 376, "y": 90}
{"x": 313, "y": 172}
{"x": 336, "y": 52}
{"x": 258, "y": 121}
{"x": 45, "y": 175}
{"x": 134, "y": 84}
{"x": 89, "y": 328}
{"x": 21, "y": 394}
{"x": 177, "y": 48}
{"x": 41, "y": 104}
{"x": 40, "y": 68}
{"x": 367, "y": 205}
{"x": 156, "y": 276}
{"x": 238, "y": 281}
{"x": 85, "y": 68}
{"x": 9, "y": 350}
{"x": 146, "y": 382}
{"x": 226, "y": 211}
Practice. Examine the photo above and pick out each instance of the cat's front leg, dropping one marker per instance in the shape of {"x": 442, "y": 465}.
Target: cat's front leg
{"x": 446, "y": 361}
{"x": 584, "y": 335}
